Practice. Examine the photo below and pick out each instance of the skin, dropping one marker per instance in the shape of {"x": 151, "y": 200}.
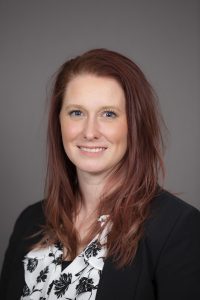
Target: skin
{"x": 94, "y": 133}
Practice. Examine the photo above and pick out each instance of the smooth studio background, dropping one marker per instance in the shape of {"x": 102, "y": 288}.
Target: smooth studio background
{"x": 36, "y": 37}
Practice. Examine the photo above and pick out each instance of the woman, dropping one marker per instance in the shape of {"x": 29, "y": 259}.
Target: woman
{"x": 106, "y": 229}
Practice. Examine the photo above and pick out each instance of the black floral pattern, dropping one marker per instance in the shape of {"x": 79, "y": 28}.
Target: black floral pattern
{"x": 81, "y": 271}
{"x": 26, "y": 290}
{"x": 50, "y": 287}
{"x": 57, "y": 259}
{"x": 59, "y": 246}
{"x": 61, "y": 285}
{"x": 93, "y": 249}
{"x": 85, "y": 285}
{"x": 43, "y": 275}
{"x": 32, "y": 264}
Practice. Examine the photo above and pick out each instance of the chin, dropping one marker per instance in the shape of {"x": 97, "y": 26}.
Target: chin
{"x": 93, "y": 170}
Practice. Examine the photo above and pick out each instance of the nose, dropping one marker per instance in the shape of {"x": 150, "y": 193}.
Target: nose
{"x": 91, "y": 129}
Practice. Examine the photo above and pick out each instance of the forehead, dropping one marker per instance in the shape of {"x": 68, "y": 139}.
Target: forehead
{"x": 89, "y": 87}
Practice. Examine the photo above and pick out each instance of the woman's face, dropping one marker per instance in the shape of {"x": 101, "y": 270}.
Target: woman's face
{"x": 94, "y": 123}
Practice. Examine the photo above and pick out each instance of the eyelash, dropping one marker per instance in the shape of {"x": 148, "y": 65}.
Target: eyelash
{"x": 113, "y": 114}
{"x": 78, "y": 113}
{"x": 73, "y": 113}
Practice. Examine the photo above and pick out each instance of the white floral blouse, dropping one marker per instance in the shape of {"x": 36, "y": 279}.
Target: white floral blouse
{"x": 45, "y": 278}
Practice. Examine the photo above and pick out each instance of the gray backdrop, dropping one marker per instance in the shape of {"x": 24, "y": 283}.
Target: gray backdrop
{"x": 37, "y": 36}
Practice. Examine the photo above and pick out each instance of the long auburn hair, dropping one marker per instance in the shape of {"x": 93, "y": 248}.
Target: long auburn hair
{"x": 134, "y": 182}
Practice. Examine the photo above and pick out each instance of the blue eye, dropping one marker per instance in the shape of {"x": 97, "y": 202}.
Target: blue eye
{"x": 75, "y": 113}
{"x": 110, "y": 114}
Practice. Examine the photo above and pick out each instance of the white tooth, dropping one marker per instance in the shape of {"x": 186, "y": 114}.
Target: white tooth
{"x": 92, "y": 149}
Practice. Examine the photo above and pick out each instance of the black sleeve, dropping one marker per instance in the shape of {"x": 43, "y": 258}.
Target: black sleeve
{"x": 178, "y": 269}
{"x": 12, "y": 273}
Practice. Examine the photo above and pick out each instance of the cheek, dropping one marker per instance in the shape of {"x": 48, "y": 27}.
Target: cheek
{"x": 69, "y": 131}
{"x": 117, "y": 134}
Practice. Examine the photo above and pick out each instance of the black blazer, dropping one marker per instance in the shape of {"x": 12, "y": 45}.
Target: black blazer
{"x": 166, "y": 266}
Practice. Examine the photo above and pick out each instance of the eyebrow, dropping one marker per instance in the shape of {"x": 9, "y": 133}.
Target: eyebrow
{"x": 73, "y": 105}
{"x": 109, "y": 107}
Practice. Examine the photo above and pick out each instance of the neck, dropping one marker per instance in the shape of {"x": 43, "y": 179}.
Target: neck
{"x": 91, "y": 187}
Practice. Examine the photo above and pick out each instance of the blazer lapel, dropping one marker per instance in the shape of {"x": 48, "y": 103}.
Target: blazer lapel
{"x": 119, "y": 283}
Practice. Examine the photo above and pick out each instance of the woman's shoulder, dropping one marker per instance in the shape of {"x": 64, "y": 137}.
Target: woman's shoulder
{"x": 166, "y": 210}
{"x": 34, "y": 211}
{"x": 31, "y": 216}
{"x": 171, "y": 221}
{"x": 28, "y": 223}
{"x": 166, "y": 205}
{"x": 25, "y": 234}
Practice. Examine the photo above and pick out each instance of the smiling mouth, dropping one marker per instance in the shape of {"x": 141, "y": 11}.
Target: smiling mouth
{"x": 92, "y": 149}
